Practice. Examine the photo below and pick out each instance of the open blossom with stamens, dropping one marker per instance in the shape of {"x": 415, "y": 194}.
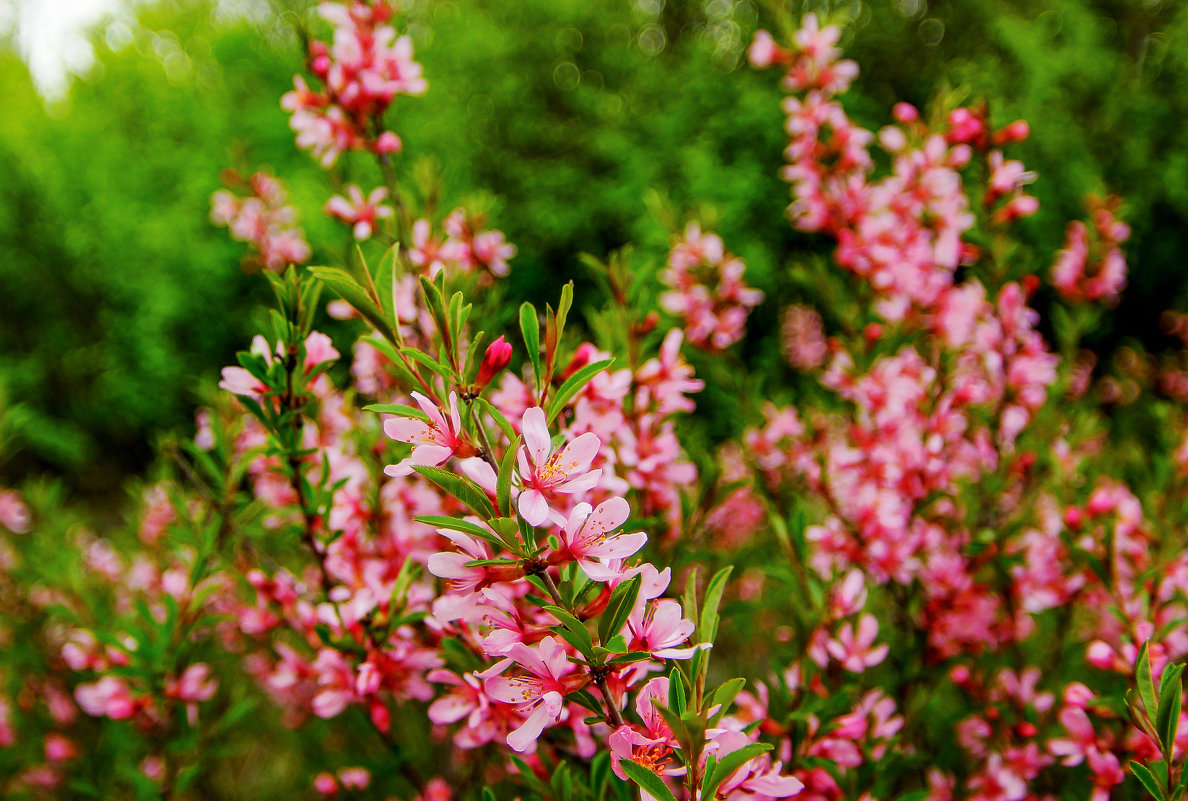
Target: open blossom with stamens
{"x": 434, "y": 440}
{"x": 362, "y": 213}
{"x": 539, "y": 695}
{"x": 588, "y": 537}
{"x": 543, "y": 472}
{"x": 658, "y": 627}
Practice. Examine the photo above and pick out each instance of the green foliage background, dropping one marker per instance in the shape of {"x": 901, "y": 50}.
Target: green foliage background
{"x": 564, "y": 116}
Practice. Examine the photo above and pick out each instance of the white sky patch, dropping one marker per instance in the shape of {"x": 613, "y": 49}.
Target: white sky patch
{"x": 51, "y": 35}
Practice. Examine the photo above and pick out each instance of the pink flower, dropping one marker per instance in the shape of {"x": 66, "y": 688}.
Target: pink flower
{"x": 588, "y": 537}
{"x": 362, "y": 213}
{"x": 14, "y": 514}
{"x": 658, "y": 628}
{"x": 195, "y": 684}
{"x": 434, "y": 440}
{"x": 854, "y": 650}
{"x": 107, "y": 697}
{"x": 543, "y": 473}
{"x": 539, "y": 695}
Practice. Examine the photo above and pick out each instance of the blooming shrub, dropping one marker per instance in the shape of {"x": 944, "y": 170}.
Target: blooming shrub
{"x": 524, "y": 569}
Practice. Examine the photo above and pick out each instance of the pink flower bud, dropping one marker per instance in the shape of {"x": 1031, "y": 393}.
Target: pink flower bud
{"x": 905, "y": 113}
{"x": 388, "y": 142}
{"x": 325, "y": 784}
{"x": 497, "y": 357}
{"x": 1017, "y": 131}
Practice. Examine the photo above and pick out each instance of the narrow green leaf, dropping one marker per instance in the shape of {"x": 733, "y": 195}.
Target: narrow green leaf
{"x": 1170, "y": 698}
{"x": 397, "y": 409}
{"x": 707, "y": 627}
{"x": 689, "y": 604}
{"x": 1146, "y": 685}
{"x": 428, "y": 361}
{"x": 627, "y": 658}
{"x": 498, "y": 417}
{"x": 647, "y": 781}
{"x": 1144, "y": 775}
{"x": 474, "y": 358}
{"x": 581, "y": 635}
{"x": 530, "y": 328}
{"x": 730, "y": 763}
{"x": 435, "y": 302}
{"x": 385, "y": 277}
{"x": 503, "y": 482}
{"x": 573, "y": 385}
{"x": 727, "y": 692}
{"x": 461, "y": 488}
{"x": 618, "y": 608}
{"x": 347, "y": 288}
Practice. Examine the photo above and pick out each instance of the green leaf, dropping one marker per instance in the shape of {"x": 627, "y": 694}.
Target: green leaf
{"x": 676, "y": 691}
{"x": 627, "y": 658}
{"x": 347, "y": 288}
{"x": 573, "y": 385}
{"x": 385, "y": 280}
{"x": 1144, "y": 775}
{"x": 498, "y": 417}
{"x": 581, "y": 636}
{"x": 504, "y": 481}
{"x": 530, "y": 328}
{"x": 425, "y": 360}
{"x": 461, "y": 488}
{"x": 618, "y": 608}
{"x": 1170, "y": 697}
{"x": 397, "y": 409}
{"x": 435, "y": 302}
{"x": 1146, "y": 685}
{"x": 729, "y": 764}
{"x": 690, "y": 598}
{"x": 647, "y": 781}
{"x": 474, "y": 358}
{"x": 727, "y": 692}
{"x": 707, "y": 627}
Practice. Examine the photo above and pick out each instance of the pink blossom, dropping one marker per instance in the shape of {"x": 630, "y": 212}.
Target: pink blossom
{"x": 853, "y": 649}
{"x": 539, "y": 695}
{"x": 543, "y": 472}
{"x": 588, "y": 537}
{"x": 361, "y": 213}
{"x": 434, "y": 440}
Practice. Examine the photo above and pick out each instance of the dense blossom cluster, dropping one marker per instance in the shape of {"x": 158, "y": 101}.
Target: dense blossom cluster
{"x": 707, "y": 290}
{"x": 263, "y": 219}
{"x": 494, "y": 558}
{"x": 364, "y": 69}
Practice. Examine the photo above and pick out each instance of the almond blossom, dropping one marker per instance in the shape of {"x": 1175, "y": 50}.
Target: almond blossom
{"x": 543, "y": 472}
{"x": 588, "y": 537}
{"x": 434, "y": 440}
{"x": 538, "y": 695}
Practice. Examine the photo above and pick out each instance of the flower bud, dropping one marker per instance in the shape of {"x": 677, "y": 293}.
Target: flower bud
{"x": 497, "y": 357}
{"x": 388, "y": 142}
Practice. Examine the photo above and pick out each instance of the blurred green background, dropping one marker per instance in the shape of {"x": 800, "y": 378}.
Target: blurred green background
{"x": 118, "y": 298}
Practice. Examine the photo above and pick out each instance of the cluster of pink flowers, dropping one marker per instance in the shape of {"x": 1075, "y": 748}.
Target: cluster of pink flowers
{"x": 466, "y": 246}
{"x": 263, "y": 219}
{"x": 362, "y": 71}
{"x": 1088, "y": 270}
{"x": 706, "y": 290}
{"x": 902, "y": 232}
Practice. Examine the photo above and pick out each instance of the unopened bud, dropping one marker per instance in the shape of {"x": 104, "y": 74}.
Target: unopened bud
{"x": 388, "y": 142}
{"x": 497, "y": 357}
{"x": 1017, "y": 131}
{"x": 905, "y": 113}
